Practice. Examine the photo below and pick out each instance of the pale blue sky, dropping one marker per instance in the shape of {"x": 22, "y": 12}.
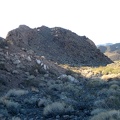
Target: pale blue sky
{"x": 99, "y": 20}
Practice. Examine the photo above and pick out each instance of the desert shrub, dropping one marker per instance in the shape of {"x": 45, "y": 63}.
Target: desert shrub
{"x": 8, "y": 103}
{"x": 102, "y": 92}
{"x": 69, "y": 72}
{"x": 3, "y": 112}
{"x": 95, "y": 83}
{"x": 112, "y": 92}
{"x": 31, "y": 101}
{"x": 113, "y": 82}
{"x": 42, "y": 103}
{"x": 115, "y": 87}
{"x": 55, "y": 87}
{"x": 100, "y": 103}
{"x": 29, "y": 83}
{"x": 2, "y": 66}
{"x": 12, "y": 107}
{"x": 108, "y": 115}
{"x": 14, "y": 92}
{"x": 97, "y": 111}
{"x": 112, "y": 102}
{"x": 75, "y": 90}
{"x": 16, "y": 118}
{"x": 56, "y": 108}
{"x": 2, "y": 82}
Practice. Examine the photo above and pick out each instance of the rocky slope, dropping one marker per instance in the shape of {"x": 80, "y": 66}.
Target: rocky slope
{"x": 58, "y": 45}
{"x": 34, "y": 87}
{"x": 112, "y": 51}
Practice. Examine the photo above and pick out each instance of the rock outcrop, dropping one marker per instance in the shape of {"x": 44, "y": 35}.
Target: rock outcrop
{"x": 58, "y": 45}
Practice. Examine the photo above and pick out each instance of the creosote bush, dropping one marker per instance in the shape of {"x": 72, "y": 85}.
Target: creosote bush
{"x": 108, "y": 115}
{"x": 14, "y": 92}
{"x": 8, "y": 103}
{"x": 56, "y": 108}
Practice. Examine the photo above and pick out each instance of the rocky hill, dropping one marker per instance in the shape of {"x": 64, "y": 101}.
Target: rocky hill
{"x": 58, "y": 45}
{"x": 112, "y": 51}
{"x": 34, "y": 85}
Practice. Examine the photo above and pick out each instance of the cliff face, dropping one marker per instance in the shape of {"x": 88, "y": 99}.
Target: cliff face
{"x": 58, "y": 45}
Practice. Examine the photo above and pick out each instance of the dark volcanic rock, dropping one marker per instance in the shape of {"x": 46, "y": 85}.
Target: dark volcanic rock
{"x": 58, "y": 45}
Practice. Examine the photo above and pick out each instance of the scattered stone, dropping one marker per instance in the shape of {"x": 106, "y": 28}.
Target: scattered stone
{"x": 31, "y": 77}
{"x": 57, "y": 117}
{"x": 15, "y": 72}
{"x": 38, "y": 61}
{"x": 16, "y": 118}
{"x": 66, "y": 117}
{"x": 29, "y": 59}
{"x": 17, "y": 62}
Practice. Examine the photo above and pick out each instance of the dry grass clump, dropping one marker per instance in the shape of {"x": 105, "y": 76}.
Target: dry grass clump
{"x": 110, "y": 76}
{"x": 107, "y": 70}
{"x": 108, "y": 115}
{"x": 56, "y": 108}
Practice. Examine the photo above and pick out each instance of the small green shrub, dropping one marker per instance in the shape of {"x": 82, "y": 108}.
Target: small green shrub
{"x": 108, "y": 115}
{"x": 14, "y": 92}
{"x": 113, "y": 102}
{"x": 97, "y": 111}
{"x": 115, "y": 87}
{"x": 95, "y": 83}
{"x": 8, "y": 103}
{"x": 56, "y": 108}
